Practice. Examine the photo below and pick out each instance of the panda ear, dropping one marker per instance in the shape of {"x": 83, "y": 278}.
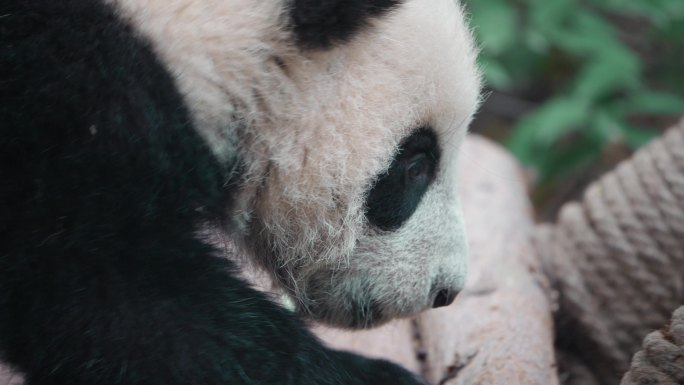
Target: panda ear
{"x": 322, "y": 23}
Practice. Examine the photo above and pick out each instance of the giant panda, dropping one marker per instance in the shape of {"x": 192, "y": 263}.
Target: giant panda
{"x": 321, "y": 136}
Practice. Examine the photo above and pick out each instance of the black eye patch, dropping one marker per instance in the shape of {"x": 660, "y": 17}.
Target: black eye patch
{"x": 396, "y": 193}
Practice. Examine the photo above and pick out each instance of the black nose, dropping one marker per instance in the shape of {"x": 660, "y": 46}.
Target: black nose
{"x": 444, "y": 298}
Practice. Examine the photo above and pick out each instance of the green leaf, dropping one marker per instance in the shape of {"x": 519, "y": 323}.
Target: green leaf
{"x": 495, "y": 74}
{"x": 605, "y": 127}
{"x": 548, "y": 124}
{"x": 550, "y": 16}
{"x": 563, "y": 161}
{"x": 496, "y": 25}
{"x": 615, "y": 70}
{"x": 652, "y": 102}
{"x": 636, "y": 137}
{"x": 585, "y": 34}
{"x": 658, "y": 11}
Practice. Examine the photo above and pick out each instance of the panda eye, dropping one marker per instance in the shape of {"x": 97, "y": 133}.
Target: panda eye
{"x": 418, "y": 169}
{"x": 396, "y": 193}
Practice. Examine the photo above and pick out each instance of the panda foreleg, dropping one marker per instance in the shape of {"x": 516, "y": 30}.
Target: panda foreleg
{"x": 177, "y": 315}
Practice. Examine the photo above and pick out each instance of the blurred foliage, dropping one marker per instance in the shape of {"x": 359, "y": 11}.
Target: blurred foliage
{"x": 596, "y": 70}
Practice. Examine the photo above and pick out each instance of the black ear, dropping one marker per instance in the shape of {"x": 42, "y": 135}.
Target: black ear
{"x": 322, "y": 23}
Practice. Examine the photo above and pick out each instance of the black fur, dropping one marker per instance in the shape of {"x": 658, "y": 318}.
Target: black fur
{"x": 322, "y": 23}
{"x": 397, "y": 192}
{"x": 103, "y": 182}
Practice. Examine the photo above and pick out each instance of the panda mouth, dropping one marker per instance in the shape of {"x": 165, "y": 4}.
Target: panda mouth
{"x": 358, "y": 316}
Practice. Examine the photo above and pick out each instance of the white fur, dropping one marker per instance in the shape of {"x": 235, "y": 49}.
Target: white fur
{"x": 317, "y": 131}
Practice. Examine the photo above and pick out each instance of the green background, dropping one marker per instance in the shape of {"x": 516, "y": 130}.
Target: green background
{"x": 575, "y": 86}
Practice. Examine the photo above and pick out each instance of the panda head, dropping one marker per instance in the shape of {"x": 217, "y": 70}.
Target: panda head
{"x": 346, "y": 119}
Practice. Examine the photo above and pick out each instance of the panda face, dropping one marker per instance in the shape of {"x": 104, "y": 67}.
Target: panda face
{"x": 348, "y": 150}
